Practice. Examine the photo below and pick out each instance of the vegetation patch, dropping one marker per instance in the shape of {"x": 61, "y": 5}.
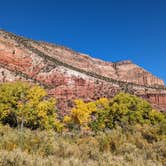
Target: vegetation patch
{"x": 124, "y": 130}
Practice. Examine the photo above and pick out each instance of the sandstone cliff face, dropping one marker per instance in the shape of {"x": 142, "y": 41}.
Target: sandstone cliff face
{"x": 130, "y": 72}
{"x": 124, "y": 70}
{"x": 68, "y": 75}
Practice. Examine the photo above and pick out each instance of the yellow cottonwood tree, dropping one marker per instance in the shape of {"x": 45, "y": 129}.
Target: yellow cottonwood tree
{"x": 82, "y": 112}
{"x": 23, "y": 104}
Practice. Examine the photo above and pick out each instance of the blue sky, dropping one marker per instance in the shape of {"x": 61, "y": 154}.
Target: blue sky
{"x": 111, "y": 30}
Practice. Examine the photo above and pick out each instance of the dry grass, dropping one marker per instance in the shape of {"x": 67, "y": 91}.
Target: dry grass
{"x": 117, "y": 147}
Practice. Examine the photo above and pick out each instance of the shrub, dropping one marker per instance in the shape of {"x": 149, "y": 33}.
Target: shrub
{"x": 116, "y": 147}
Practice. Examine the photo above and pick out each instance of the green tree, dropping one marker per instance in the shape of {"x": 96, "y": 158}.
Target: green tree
{"x": 127, "y": 108}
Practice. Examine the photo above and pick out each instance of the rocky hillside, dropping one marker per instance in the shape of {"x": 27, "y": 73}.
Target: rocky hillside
{"x": 67, "y": 74}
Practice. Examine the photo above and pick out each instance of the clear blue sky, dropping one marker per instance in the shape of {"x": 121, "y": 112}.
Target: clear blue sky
{"x": 112, "y": 30}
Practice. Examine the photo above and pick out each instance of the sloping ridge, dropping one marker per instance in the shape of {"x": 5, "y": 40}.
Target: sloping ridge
{"x": 26, "y": 76}
{"x": 27, "y": 44}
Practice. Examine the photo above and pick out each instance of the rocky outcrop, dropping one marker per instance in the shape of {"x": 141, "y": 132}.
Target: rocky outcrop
{"x": 127, "y": 71}
{"x": 67, "y": 74}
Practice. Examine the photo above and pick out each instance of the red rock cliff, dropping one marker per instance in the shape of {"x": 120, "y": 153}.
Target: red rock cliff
{"x": 67, "y": 74}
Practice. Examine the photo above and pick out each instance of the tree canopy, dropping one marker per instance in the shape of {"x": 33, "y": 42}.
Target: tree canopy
{"x": 25, "y": 104}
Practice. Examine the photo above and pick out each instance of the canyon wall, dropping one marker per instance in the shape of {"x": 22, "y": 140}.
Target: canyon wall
{"x": 68, "y": 75}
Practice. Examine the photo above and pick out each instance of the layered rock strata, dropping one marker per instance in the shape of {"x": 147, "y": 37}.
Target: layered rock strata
{"x": 68, "y": 75}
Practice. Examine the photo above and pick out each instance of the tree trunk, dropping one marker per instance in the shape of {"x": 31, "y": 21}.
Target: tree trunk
{"x": 22, "y": 130}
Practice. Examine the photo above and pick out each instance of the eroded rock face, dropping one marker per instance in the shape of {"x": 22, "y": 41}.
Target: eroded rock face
{"x": 68, "y": 75}
{"x": 130, "y": 72}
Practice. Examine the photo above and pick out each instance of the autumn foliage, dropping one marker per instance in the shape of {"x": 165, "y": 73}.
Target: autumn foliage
{"x": 27, "y": 105}
{"x": 22, "y": 104}
{"x": 124, "y": 109}
{"x": 124, "y": 129}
